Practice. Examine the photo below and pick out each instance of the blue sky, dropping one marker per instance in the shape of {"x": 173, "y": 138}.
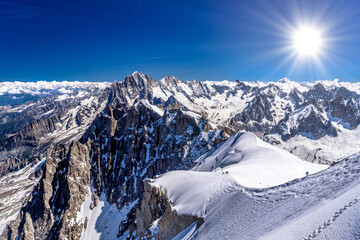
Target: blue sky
{"x": 206, "y": 40}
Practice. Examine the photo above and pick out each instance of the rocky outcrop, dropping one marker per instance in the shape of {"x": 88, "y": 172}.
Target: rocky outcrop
{"x": 29, "y": 136}
{"x": 135, "y": 87}
{"x": 27, "y": 130}
{"x": 346, "y": 110}
{"x": 296, "y": 96}
{"x": 50, "y": 210}
{"x": 308, "y": 121}
{"x": 15, "y": 164}
{"x": 257, "y": 117}
{"x": 258, "y": 110}
{"x": 156, "y": 218}
{"x": 318, "y": 91}
{"x": 15, "y": 185}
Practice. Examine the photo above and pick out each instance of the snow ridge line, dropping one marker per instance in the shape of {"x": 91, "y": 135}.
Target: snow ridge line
{"x": 224, "y": 187}
{"x": 331, "y": 220}
{"x": 336, "y": 161}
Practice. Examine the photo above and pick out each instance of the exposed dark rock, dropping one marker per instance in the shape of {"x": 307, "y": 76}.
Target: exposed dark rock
{"x": 310, "y": 123}
{"x": 53, "y": 204}
{"x": 346, "y": 110}
{"x": 155, "y": 205}
{"x": 318, "y": 91}
{"x": 15, "y": 164}
{"x": 258, "y": 110}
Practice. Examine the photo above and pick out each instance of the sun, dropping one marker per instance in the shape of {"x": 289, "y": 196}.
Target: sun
{"x": 307, "y": 41}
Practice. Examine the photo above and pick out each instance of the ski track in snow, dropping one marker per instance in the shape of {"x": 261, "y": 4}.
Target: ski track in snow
{"x": 326, "y": 224}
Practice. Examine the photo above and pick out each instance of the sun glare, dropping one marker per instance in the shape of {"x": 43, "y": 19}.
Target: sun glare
{"x": 307, "y": 41}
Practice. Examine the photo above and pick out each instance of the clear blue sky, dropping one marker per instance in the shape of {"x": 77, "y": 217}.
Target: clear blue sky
{"x": 206, "y": 40}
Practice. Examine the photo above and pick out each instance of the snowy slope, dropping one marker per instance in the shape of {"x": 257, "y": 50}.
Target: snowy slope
{"x": 254, "y": 163}
{"x": 243, "y": 160}
{"x": 326, "y": 149}
{"x": 102, "y": 221}
{"x": 14, "y": 187}
{"x": 324, "y": 205}
{"x": 190, "y": 191}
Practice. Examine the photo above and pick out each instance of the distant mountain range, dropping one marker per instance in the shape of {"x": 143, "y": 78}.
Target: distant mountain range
{"x": 16, "y": 93}
{"x": 75, "y": 158}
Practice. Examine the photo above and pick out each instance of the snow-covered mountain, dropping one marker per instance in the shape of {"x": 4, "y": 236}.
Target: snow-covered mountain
{"x": 85, "y": 155}
{"x": 16, "y": 93}
{"x": 31, "y": 127}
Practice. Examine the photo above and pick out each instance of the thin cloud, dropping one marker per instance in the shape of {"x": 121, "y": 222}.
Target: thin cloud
{"x": 13, "y": 11}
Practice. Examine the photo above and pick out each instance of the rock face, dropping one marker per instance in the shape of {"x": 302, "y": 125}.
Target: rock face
{"x": 50, "y": 210}
{"x": 131, "y": 144}
{"x": 15, "y": 164}
{"x": 15, "y": 185}
{"x": 111, "y": 141}
{"x": 156, "y": 206}
{"x": 258, "y": 115}
{"x": 307, "y": 114}
{"x": 29, "y": 129}
{"x": 308, "y": 121}
{"x": 347, "y": 110}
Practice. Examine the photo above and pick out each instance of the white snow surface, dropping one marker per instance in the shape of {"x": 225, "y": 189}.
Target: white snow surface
{"x": 324, "y": 205}
{"x": 254, "y": 163}
{"x": 189, "y": 191}
{"x": 186, "y": 233}
{"x": 156, "y": 109}
{"x": 320, "y": 206}
{"x": 14, "y": 187}
{"x": 326, "y": 149}
{"x": 103, "y": 220}
{"x": 243, "y": 159}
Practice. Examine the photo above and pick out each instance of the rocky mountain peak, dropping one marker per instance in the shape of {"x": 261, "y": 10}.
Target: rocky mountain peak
{"x": 285, "y": 80}
{"x": 170, "y": 81}
{"x": 345, "y": 93}
{"x": 296, "y": 96}
{"x": 134, "y": 88}
{"x": 137, "y": 80}
{"x": 318, "y": 90}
